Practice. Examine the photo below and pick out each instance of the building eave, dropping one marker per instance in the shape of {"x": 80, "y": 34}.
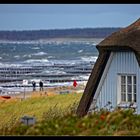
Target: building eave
{"x": 92, "y": 83}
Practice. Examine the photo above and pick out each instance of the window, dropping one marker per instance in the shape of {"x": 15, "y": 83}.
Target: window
{"x": 127, "y": 88}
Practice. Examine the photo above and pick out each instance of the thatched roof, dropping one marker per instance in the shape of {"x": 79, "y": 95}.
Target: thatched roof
{"x": 126, "y": 39}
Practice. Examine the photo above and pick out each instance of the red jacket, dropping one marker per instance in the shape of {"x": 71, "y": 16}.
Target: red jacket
{"x": 74, "y": 83}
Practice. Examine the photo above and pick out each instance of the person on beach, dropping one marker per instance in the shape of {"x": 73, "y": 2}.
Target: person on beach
{"x": 74, "y": 83}
{"x": 41, "y": 85}
{"x": 34, "y": 85}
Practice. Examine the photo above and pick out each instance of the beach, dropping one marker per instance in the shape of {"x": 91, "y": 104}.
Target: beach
{"x": 50, "y": 91}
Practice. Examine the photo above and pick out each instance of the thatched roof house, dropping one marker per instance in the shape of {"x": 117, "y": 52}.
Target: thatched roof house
{"x": 125, "y": 40}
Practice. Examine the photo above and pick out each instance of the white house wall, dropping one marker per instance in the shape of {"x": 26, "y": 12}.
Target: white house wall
{"x": 119, "y": 62}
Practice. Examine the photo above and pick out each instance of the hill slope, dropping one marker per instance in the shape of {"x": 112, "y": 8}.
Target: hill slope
{"x": 57, "y": 33}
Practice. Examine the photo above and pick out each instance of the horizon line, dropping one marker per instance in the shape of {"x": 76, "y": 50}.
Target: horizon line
{"x": 57, "y": 28}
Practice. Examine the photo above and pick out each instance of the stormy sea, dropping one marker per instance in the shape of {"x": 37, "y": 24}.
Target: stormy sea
{"x": 56, "y": 63}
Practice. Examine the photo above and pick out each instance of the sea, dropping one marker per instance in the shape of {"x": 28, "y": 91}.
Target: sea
{"x": 55, "y": 62}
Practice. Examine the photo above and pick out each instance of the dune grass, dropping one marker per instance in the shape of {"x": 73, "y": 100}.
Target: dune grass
{"x": 12, "y": 111}
{"x": 56, "y": 117}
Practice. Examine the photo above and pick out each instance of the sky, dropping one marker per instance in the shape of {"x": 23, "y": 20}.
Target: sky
{"x": 63, "y": 16}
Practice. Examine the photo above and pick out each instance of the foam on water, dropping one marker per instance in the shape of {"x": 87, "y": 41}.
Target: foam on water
{"x": 51, "y": 57}
{"x": 88, "y": 59}
{"x": 39, "y": 53}
{"x": 16, "y": 56}
{"x": 35, "y": 48}
{"x": 37, "y": 60}
{"x": 80, "y": 51}
{"x": 10, "y": 65}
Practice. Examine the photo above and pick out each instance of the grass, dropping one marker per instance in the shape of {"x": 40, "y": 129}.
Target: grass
{"x": 12, "y": 111}
{"x": 56, "y": 116}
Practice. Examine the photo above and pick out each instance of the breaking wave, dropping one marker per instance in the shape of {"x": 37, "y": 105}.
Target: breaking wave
{"x": 39, "y": 53}
{"x": 91, "y": 58}
{"x": 36, "y": 60}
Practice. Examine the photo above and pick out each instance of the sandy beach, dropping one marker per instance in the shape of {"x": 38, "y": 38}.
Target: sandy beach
{"x": 58, "y": 90}
{"x": 51, "y": 91}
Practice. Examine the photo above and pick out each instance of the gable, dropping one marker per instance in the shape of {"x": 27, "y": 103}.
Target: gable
{"x": 120, "y": 63}
{"x": 96, "y": 76}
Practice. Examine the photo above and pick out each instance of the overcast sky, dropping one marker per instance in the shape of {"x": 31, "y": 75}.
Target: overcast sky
{"x": 61, "y": 16}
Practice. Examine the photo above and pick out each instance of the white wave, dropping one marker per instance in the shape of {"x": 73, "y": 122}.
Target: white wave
{"x": 87, "y": 43}
{"x": 35, "y": 48}
{"x": 36, "y": 80}
{"x": 0, "y": 57}
{"x": 85, "y": 77}
{"x": 16, "y": 56}
{"x": 39, "y": 53}
{"x": 14, "y": 65}
{"x": 57, "y": 72}
{"x": 94, "y": 44}
{"x": 51, "y": 56}
{"x": 91, "y": 58}
{"x": 80, "y": 51}
{"x": 1, "y": 64}
{"x": 10, "y": 65}
{"x": 27, "y": 55}
{"x": 36, "y": 60}
{"x": 46, "y": 72}
{"x": 64, "y": 62}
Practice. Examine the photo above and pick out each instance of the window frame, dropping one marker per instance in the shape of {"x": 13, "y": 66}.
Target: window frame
{"x": 126, "y": 84}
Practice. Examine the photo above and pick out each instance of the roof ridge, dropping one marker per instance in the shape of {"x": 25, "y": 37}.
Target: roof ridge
{"x": 135, "y": 25}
